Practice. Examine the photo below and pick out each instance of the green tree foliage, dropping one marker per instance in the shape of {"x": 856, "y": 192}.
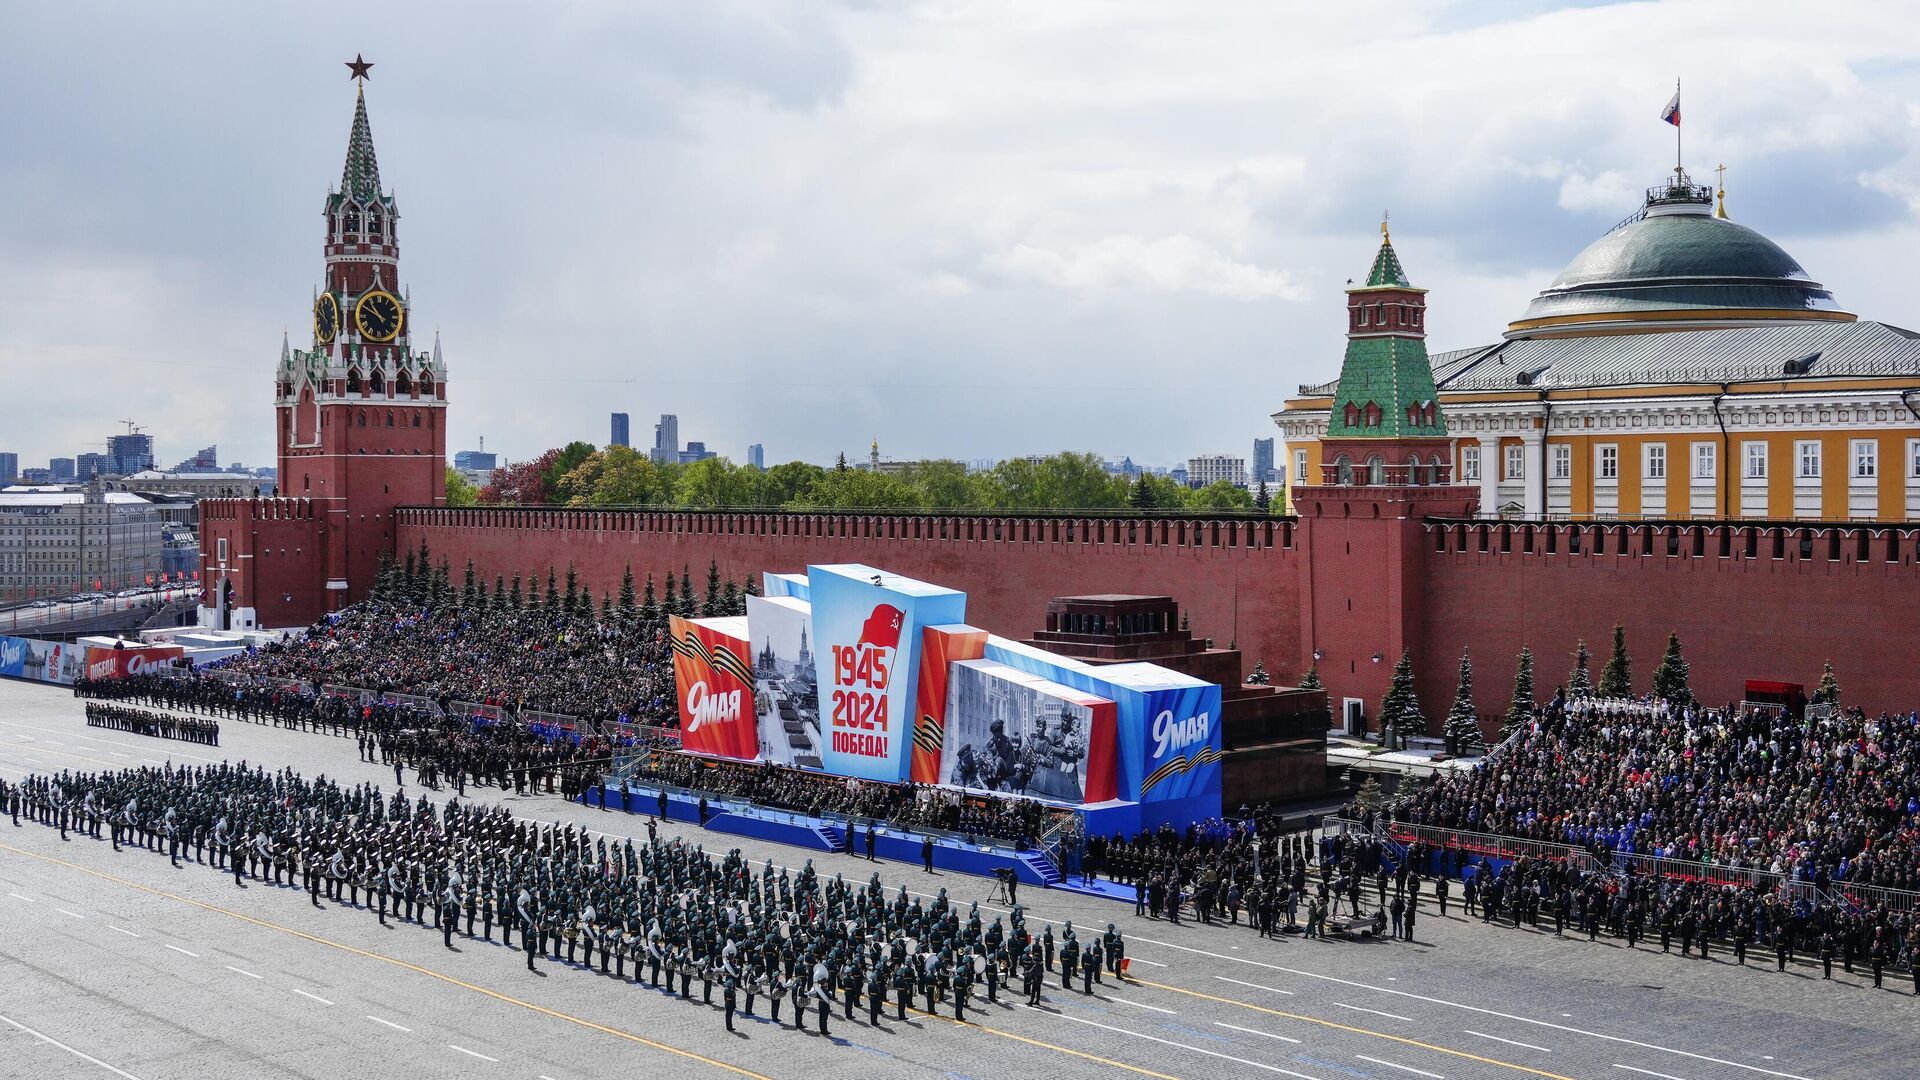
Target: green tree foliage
{"x": 710, "y": 600}
{"x": 514, "y": 598}
{"x": 649, "y": 605}
{"x": 1670, "y": 678}
{"x": 671, "y": 605}
{"x": 459, "y": 491}
{"x": 1580, "y": 682}
{"x": 1220, "y": 496}
{"x": 628, "y": 604}
{"x": 1828, "y": 692}
{"x": 686, "y": 608}
{"x": 1400, "y": 709}
{"x": 1520, "y": 710}
{"x": 1616, "y": 679}
{"x": 1311, "y": 680}
{"x": 1462, "y": 731}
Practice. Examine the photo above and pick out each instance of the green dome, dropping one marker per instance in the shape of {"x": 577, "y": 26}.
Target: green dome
{"x": 1676, "y": 263}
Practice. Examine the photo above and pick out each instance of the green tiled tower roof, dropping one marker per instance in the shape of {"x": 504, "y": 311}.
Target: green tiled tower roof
{"x": 1386, "y": 371}
{"x": 360, "y": 179}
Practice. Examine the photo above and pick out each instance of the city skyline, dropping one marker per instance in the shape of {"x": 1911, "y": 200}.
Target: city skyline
{"x": 977, "y": 250}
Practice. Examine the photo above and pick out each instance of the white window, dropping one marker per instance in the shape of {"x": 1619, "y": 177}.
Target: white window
{"x": 1866, "y": 459}
{"x": 1655, "y": 461}
{"x": 1516, "y": 462}
{"x": 1299, "y": 466}
{"x": 1563, "y": 462}
{"x": 1470, "y": 463}
{"x": 1913, "y": 458}
{"x": 1704, "y": 460}
{"x": 222, "y": 558}
{"x": 1807, "y": 451}
{"x": 1756, "y": 453}
{"x": 1609, "y": 462}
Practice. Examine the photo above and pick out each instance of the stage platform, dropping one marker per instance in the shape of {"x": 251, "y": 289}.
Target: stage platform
{"x": 891, "y": 843}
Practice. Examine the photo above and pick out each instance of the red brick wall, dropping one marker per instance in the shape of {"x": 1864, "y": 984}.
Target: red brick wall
{"x": 1235, "y": 580}
{"x": 1738, "y": 618}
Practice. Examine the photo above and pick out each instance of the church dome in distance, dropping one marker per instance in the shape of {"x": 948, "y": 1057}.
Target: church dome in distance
{"x": 1676, "y": 265}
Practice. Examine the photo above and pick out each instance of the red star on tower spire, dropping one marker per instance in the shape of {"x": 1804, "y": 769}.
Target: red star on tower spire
{"x": 358, "y": 67}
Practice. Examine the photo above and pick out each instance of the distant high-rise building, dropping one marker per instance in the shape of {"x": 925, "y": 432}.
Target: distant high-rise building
{"x": 207, "y": 460}
{"x": 129, "y": 454}
{"x": 475, "y": 461}
{"x": 62, "y": 469}
{"x": 9, "y": 466}
{"x": 88, "y": 466}
{"x": 1262, "y": 461}
{"x": 695, "y": 451}
{"x": 1213, "y": 468}
{"x": 1178, "y": 474}
{"x": 757, "y": 456}
{"x": 36, "y": 476}
{"x": 666, "y": 438}
{"x": 618, "y": 437}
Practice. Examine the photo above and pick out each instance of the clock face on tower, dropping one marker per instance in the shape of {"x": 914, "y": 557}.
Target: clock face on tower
{"x": 378, "y": 315}
{"x": 326, "y": 318}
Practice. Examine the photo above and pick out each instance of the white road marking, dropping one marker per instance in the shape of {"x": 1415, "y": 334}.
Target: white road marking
{"x": 1509, "y": 1042}
{"x": 390, "y": 1024}
{"x": 17, "y": 896}
{"x": 471, "y": 1053}
{"x": 1395, "y": 1065}
{"x": 315, "y": 997}
{"x": 1645, "y": 1072}
{"x": 118, "y": 930}
{"x": 1250, "y": 1031}
{"x": 237, "y": 971}
{"x": 1183, "y": 1046}
{"x": 51, "y": 1041}
{"x": 1149, "y": 963}
{"x": 1138, "y": 1005}
{"x": 178, "y": 949}
{"x": 1376, "y": 1012}
{"x": 1623, "y": 1040}
{"x": 1255, "y": 986}
{"x": 64, "y": 911}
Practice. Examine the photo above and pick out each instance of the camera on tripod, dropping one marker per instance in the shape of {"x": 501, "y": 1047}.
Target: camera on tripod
{"x": 1008, "y": 883}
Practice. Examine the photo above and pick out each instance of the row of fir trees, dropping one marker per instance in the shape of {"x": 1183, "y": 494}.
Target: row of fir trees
{"x": 418, "y": 581}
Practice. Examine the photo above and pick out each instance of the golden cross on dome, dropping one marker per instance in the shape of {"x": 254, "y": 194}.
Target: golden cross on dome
{"x": 1384, "y": 216}
{"x": 1721, "y": 211}
{"x": 357, "y": 68}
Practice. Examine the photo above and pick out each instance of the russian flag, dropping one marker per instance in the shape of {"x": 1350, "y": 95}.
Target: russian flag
{"x": 1671, "y": 114}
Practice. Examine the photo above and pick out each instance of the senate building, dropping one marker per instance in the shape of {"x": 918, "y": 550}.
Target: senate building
{"x": 1683, "y": 366}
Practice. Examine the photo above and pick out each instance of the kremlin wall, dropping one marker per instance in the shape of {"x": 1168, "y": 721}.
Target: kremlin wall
{"x": 1749, "y": 601}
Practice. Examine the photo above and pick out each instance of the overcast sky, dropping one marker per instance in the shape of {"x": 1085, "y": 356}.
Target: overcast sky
{"x": 966, "y": 229}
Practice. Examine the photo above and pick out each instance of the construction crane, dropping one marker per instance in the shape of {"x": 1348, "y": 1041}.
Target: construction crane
{"x": 133, "y": 428}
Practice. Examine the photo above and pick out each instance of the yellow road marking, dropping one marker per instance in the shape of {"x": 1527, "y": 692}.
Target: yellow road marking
{"x": 496, "y": 995}
{"x": 1359, "y": 1031}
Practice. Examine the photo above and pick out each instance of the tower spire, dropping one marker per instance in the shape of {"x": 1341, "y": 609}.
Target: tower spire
{"x": 360, "y": 178}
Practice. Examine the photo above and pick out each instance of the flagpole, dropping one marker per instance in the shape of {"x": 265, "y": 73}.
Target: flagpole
{"x": 1678, "y": 166}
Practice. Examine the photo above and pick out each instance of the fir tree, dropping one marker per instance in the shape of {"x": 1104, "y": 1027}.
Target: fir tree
{"x": 1580, "y": 683}
{"x": 686, "y": 608}
{"x": 752, "y": 589}
{"x": 533, "y": 593}
{"x": 1616, "y": 679}
{"x": 710, "y": 603}
{"x": 626, "y": 594}
{"x": 1185, "y": 622}
{"x": 649, "y": 605}
{"x": 606, "y": 607}
{"x": 514, "y": 598}
{"x": 383, "y": 578}
{"x": 442, "y": 596}
{"x": 841, "y": 464}
{"x": 480, "y": 599}
{"x": 1520, "y": 711}
{"x": 1670, "y": 678}
{"x": 730, "y": 602}
{"x": 552, "y": 605}
{"x": 1828, "y": 692}
{"x": 1262, "y": 501}
{"x": 408, "y": 576}
{"x": 1259, "y": 676}
{"x": 1311, "y": 680}
{"x": 1140, "y": 496}
{"x": 671, "y": 604}
{"x": 1370, "y": 800}
{"x": 1462, "y": 730}
{"x": 573, "y": 591}
{"x": 1400, "y": 709}
{"x": 470, "y": 592}
{"x": 499, "y": 592}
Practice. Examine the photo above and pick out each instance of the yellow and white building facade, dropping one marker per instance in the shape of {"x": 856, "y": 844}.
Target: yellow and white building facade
{"x": 1683, "y": 366}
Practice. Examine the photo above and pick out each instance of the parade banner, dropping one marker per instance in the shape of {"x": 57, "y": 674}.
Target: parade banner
{"x": 112, "y": 663}
{"x": 783, "y": 680}
{"x": 867, "y": 624}
{"x": 1167, "y": 724}
{"x": 1012, "y": 731}
{"x": 940, "y": 646}
{"x": 714, "y": 684}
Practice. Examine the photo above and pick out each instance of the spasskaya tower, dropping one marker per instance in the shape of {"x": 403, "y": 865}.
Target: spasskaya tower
{"x": 360, "y": 417}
